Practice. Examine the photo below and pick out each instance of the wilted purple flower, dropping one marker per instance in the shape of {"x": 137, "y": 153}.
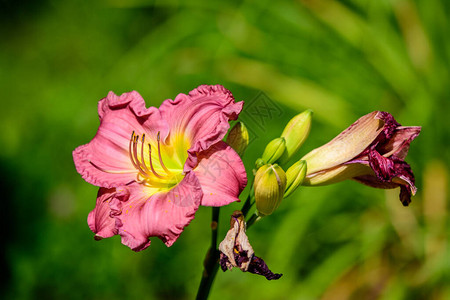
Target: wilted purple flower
{"x": 371, "y": 151}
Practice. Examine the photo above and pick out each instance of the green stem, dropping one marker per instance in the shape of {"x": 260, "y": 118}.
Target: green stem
{"x": 211, "y": 262}
{"x": 249, "y": 201}
{"x": 252, "y": 220}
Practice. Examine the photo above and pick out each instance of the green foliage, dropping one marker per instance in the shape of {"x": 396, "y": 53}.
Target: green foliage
{"x": 340, "y": 58}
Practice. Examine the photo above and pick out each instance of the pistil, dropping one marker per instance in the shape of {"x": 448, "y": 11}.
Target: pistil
{"x": 159, "y": 154}
{"x": 150, "y": 160}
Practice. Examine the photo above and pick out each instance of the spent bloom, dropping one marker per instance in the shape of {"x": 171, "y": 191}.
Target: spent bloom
{"x": 155, "y": 166}
{"x": 236, "y": 251}
{"x": 371, "y": 151}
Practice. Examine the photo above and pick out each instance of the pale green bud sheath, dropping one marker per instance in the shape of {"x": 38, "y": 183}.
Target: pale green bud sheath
{"x": 270, "y": 184}
{"x": 295, "y": 176}
{"x": 274, "y": 150}
{"x": 238, "y": 138}
{"x": 295, "y": 134}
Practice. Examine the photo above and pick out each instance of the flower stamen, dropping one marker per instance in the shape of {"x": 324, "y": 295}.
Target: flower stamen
{"x": 144, "y": 165}
{"x": 134, "y": 153}
{"x": 150, "y": 160}
{"x": 138, "y": 159}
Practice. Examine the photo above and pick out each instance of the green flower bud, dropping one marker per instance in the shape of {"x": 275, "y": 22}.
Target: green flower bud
{"x": 270, "y": 184}
{"x": 295, "y": 176}
{"x": 259, "y": 163}
{"x": 238, "y": 138}
{"x": 274, "y": 150}
{"x": 295, "y": 133}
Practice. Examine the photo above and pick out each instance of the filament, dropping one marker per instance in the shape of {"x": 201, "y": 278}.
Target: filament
{"x": 111, "y": 171}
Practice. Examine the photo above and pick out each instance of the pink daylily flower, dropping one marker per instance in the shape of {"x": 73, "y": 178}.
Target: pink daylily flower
{"x": 155, "y": 166}
{"x": 371, "y": 151}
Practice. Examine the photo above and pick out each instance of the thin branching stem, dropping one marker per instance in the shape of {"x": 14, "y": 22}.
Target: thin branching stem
{"x": 211, "y": 262}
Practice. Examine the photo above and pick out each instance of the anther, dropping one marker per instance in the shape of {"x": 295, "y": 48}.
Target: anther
{"x": 130, "y": 152}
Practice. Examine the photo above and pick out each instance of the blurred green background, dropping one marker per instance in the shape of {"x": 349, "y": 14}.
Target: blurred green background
{"x": 342, "y": 58}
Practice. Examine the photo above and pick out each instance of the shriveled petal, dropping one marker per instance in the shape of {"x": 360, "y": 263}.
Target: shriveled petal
{"x": 259, "y": 267}
{"x": 387, "y": 168}
{"x": 150, "y": 213}
{"x": 389, "y": 126}
{"x": 221, "y": 174}
{"x": 390, "y": 172}
{"x": 382, "y": 166}
{"x": 347, "y": 145}
{"x": 100, "y": 220}
{"x": 105, "y": 161}
{"x": 373, "y": 181}
{"x": 202, "y": 115}
{"x": 405, "y": 177}
{"x": 405, "y": 180}
{"x": 398, "y": 144}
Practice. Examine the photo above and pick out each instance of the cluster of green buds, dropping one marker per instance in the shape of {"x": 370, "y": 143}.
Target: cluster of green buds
{"x": 272, "y": 183}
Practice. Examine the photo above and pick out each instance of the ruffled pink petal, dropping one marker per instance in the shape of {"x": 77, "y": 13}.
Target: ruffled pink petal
{"x": 202, "y": 115}
{"x": 162, "y": 214}
{"x": 221, "y": 174}
{"x": 105, "y": 161}
{"x": 100, "y": 220}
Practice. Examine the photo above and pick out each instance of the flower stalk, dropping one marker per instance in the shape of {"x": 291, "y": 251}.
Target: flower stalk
{"x": 211, "y": 262}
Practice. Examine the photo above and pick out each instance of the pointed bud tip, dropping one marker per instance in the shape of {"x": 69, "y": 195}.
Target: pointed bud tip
{"x": 274, "y": 150}
{"x": 295, "y": 133}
